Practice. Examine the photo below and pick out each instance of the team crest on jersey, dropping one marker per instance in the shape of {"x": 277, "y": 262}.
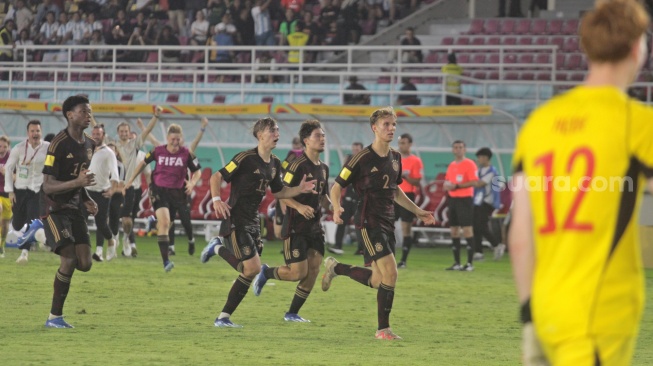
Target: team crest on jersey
{"x": 378, "y": 247}
{"x": 274, "y": 172}
{"x": 295, "y": 253}
{"x": 247, "y": 250}
{"x": 395, "y": 165}
{"x": 65, "y": 233}
{"x": 89, "y": 153}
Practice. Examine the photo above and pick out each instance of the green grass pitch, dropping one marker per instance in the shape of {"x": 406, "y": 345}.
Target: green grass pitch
{"x": 129, "y": 312}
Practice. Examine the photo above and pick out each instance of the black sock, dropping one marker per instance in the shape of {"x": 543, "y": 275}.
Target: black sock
{"x": 358, "y": 274}
{"x": 384, "y": 299}
{"x": 272, "y": 272}
{"x": 164, "y": 242}
{"x": 298, "y": 300}
{"x": 470, "y": 249}
{"x": 408, "y": 243}
{"x": 61, "y": 287}
{"x": 234, "y": 262}
{"x": 236, "y": 294}
{"x": 455, "y": 245}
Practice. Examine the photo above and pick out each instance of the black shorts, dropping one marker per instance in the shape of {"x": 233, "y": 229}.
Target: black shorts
{"x": 166, "y": 198}
{"x": 377, "y": 244}
{"x": 402, "y": 213}
{"x": 126, "y": 210}
{"x": 278, "y": 214}
{"x": 136, "y": 206}
{"x": 66, "y": 227}
{"x": 295, "y": 248}
{"x": 461, "y": 211}
{"x": 244, "y": 243}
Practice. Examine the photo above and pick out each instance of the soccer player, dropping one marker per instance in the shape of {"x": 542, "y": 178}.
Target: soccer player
{"x": 460, "y": 181}
{"x": 349, "y": 208}
{"x": 375, "y": 174}
{"x": 303, "y": 247}
{"x": 26, "y": 160}
{"x": 250, "y": 173}
{"x": 5, "y": 202}
{"x": 105, "y": 167}
{"x": 169, "y": 184}
{"x": 128, "y": 148}
{"x": 65, "y": 175}
{"x": 412, "y": 173}
{"x": 580, "y": 165}
{"x": 280, "y": 207}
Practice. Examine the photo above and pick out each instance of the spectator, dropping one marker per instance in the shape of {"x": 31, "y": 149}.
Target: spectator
{"x": 245, "y": 25}
{"x": 124, "y": 23}
{"x": 140, "y": 22}
{"x": 23, "y": 16}
{"x": 350, "y": 15}
{"x": 452, "y": 73}
{"x": 89, "y": 26}
{"x": 514, "y": 10}
{"x": 414, "y": 56}
{"x": 368, "y": 26}
{"x": 262, "y": 23}
{"x": 117, "y": 38}
{"x": 223, "y": 38}
{"x": 228, "y": 26}
{"x": 176, "y": 17}
{"x": 299, "y": 38}
{"x": 216, "y": 11}
{"x": 314, "y": 29}
{"x": 95, "y": 54}
{"x": 329, "y": 13}
{"x": 166, "y": 38}
{"x": 408, "y": 99}
{"x": 199, "y": 30}
{"x": 140, "y": 6}
{"x": 287, "y": 26}
{"x": 49, "y": 29}
{"x": 44, "y": 8}
{"x": 24, "y": 40}
{"x": 358, "y": 98}
{"x": 152, "y": 30}
{"x": 77, "y": 28}
{"x": 65, "y": 30}
{"x": 192, "y": 7}
{"x": 265, "y": 62}
{"x": 136, "y": 54}
{"x": 110, "y": 10}
{"x": 334, "y": 36}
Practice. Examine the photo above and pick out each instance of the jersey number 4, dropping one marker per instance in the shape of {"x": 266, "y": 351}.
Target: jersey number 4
{"x": 570, "y": 222}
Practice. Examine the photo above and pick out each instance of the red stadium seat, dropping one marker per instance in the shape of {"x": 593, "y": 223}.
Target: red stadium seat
{"x": 570, "y": 27}
{"x": 527, "y": 76}
{"x": 558, "y": 41}
{"x": 476, "y": 27}
{"x": 525, "y": 59}
{"x": 571, "y": 45}
{"x": 447, "y": 41}
{"x": 172, "y": 98}
{"x": 478, "y": 41}
{"x": 543, "y": 76}
{"x": 492, "y": 26}
{"x": 555, "y": 27}
{"x": 573, "y": 62}
{"x": 523, "y": 26}
{"x": 478, "y": 58}
{"x": 462, "y": 41}
{"x": 219, "y": 99}
{"x": 539, "y": 27}
{"x": 507, "y": 26}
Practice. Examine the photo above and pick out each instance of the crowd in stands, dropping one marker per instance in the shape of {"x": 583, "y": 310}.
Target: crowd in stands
{"x": 192, "y": 22}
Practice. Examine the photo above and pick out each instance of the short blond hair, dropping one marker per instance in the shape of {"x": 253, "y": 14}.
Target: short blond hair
{"x": 5, "y": 138}
{"x": 174, "y": 128}
{"x": 610, "y": 30}
{"x": 381, "y": 113}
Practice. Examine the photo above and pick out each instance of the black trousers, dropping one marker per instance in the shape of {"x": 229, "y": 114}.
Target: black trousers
{"x": 25, "y": 209}
{"x": 102, "y": 218}
{"x": 481, "y": 227}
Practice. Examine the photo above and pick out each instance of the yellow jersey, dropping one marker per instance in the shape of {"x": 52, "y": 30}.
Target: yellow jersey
{"x": 585, "y": 155}
{"x": 452, "y": 82}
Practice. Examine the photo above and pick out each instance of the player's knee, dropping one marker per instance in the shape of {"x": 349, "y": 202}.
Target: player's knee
{"x": 251, "y": 272}
{"x": 297, "y": 273}
{"x": 84, "y": 266}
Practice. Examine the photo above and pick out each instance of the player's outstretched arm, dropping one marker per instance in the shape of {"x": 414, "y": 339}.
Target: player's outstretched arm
{"x": 221, "y": 208}
{"x": 303, "y": 187}
{"x": 196, "y": 141}
{"x": 150, "y": 137}
{"x": 405, "y": 202}
{"x": 336, "y": 193}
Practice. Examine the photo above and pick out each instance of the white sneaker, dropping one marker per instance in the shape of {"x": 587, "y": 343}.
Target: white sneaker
{"x": 329, "y": 273}
{"x": 111, "y": 249}
{"x": 126, "y": 248}
{"x": 22, "y": 259}
{"x": 499, "y": 251}
{"x": 478, "y": 256}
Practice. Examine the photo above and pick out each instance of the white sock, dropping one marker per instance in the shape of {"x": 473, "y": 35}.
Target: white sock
{"x": 223, "y": 315}
{"x": 98, "y": 250}
{"x": 24, "y": 252}
{"x": 171, "y": 247}
{"x": 216, "y": 249}
{"x": 50, "y": 317}
{"x": 133, "y": 245}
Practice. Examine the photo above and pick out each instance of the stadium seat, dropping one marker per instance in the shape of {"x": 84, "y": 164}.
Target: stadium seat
{"x": 478, "y": 41}
{"x": 509, "y": 41}
{"x": 509, "y": 58}
{"x": 570, "y": 27}
{"x": 560, "y": 60}
{"x": 493, "y": 58}
{"x": 478, "y": 58}
{"x": 316, "y": 101}
{"x": 431, "y": 57}
{"x": 526, "y": 58}
{"x": 34, "y": 96}
{"x": 493, "y": 75}
{"x": 571, "y": 45}
{"x": 573, "y": 62}
{"x": 511, "y": 76}
{"x": 172, "y": 98}
{"x": 507, "y": 26}
{"x": 492, "y": 26}
{"x": 523, "y": 27}
{"x": 577, "y": 77}
{"x": 79, "y": 56}
{"x": 493, "y": 41}
{"x": 555, "y": 27}
{"x": 542, "y": 58}
{"x": 527, "y": 76}
{"x": 267, "y": 100}
{"x": 152, "y": 57}
{"x": 561, "y": 76}
{"x": 476, "y": 27}
{"x": 541, "y": 41}
{"x": 462, "y": 58}
{"x": 127, "y": 97}
{"x": 525, "y": 41}
{"x": 558, "y": 41}
{"x": 543, "y": 76}
{"x": 480, "y": 75}
{"x": 219, "y": 99}
{"x": 447, "y": 41}
{"x": 539, "y": 27}
{"x": 462, "y": 41}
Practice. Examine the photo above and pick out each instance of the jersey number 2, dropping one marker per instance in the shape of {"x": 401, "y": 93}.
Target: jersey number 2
{"x": 570, "y": 223}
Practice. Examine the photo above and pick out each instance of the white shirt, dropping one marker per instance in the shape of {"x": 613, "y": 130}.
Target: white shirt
{"x": 129, "y": 154}
{"x": 105, "y": 166}
{"x": 47, "y": 29}
{"x": 199, "y": 29}
{"x": 28, "y": 163}
{"x": 139, "y": 158}
{"x": 261, "y": 20}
